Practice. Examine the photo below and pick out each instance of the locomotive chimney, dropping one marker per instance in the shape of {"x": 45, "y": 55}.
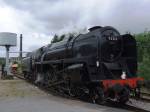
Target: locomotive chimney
{"x": 20, "y": 55}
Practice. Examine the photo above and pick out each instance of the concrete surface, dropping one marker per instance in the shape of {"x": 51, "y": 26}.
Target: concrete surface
{"x": 20, "y": 96}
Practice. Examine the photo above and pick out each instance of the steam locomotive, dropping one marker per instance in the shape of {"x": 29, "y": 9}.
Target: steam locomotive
{"x": 101, "y": 64}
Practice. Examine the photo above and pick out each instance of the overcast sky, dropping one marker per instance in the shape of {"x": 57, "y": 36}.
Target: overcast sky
{"x": 39, "y": 20}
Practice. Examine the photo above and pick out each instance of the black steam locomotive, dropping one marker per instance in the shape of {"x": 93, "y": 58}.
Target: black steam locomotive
{"x": 101, "y": 64}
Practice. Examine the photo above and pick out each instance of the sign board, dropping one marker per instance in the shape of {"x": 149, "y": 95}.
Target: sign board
{"x": 7, "y": 38}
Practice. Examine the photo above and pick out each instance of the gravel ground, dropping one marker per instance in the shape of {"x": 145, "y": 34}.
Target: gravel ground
{"x": 19, "y": 96}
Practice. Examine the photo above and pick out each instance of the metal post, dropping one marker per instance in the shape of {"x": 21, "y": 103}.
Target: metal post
{"x": 20, "y": 47}
{"x": 7, "y": 60}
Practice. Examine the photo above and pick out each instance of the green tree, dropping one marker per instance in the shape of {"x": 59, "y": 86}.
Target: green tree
{"x": 62, "y": 37}
{"x": 143, "y": 45}
{"x": 55, "y": 39}
{"x": 2, "y": 61}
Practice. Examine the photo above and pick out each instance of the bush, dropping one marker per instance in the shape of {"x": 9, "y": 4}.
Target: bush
{"x": 143, "y": 45}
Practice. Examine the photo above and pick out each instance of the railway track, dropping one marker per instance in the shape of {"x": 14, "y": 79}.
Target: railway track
{"x": 145, "y": 96}
{"x": 19, "y": 76}
{"x": 129, "y": 106}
